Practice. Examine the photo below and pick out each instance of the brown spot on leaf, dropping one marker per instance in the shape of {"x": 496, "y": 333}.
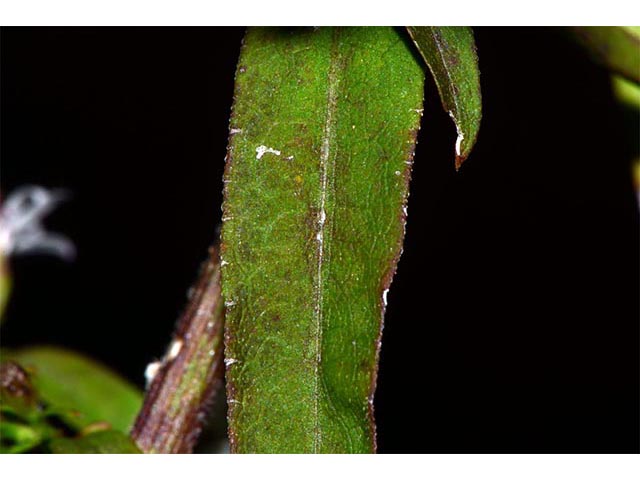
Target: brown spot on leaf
{"x": 15, "y": 380}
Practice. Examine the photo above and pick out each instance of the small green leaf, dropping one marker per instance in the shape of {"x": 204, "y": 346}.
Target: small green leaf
{"x": 18, "y": 438}
{"x": 617, "y": 48}
{"x": 24, "y": 424}
{"x": 84, "y": 390}
{"x": 627, "y": 93}
{"x": 450, "y": 53}
{"x": 323, "y": 132}
{"x": 109, "y": 441}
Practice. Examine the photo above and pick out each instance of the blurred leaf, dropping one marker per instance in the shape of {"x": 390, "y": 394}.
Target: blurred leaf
{"x": 450, "y": 53}
{"x": 24, "y": 423}
{"x": 18, "y": 438}
{"x": 80, "y": 389}
{"x": 323, "y": 132}
{"x": 628, "y": 93}
{"x": 617, "y": 48}
{"x": 109, "y": 441}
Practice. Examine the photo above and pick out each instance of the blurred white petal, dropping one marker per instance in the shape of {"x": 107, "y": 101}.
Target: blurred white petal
{"x": 21, "y": 229}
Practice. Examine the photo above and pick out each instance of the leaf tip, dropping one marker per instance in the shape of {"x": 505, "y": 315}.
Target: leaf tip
{"x": 461, "y": 155}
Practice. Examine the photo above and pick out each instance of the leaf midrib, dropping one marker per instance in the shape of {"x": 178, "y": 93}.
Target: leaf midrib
{"x": 327, "y": 154}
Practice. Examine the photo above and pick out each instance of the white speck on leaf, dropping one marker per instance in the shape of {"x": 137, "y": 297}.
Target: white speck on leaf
{"x": 262, "y": 149}
{"x": 230, "y": 361}
{"x": 384, "y": 297}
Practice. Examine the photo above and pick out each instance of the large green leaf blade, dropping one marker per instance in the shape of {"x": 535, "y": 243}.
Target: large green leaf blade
{"x": 72, "y": 382}
{"x": 450, "y": 53}
{"x": 323, "y": 131}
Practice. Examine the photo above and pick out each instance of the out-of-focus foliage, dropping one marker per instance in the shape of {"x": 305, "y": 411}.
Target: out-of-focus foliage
{"x": 617, "y": 48}
{"x": 49, "y": 393}
{"x": 108, "y": 441}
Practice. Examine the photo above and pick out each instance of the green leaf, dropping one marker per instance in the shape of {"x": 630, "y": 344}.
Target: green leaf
{"x": 323, "y": 132}
{"x": 82, "y": 390}
{"x": 108, "y": 441}
{"x": 450, "y": 53}
{"x": 24, "y": 418}
{"x": 617, "y": 48}
{"x": 18, "y": 438}
{"x": 627, "y": 93}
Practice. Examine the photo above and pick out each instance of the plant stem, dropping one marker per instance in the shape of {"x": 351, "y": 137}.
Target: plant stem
{"x": 181, "y": 387}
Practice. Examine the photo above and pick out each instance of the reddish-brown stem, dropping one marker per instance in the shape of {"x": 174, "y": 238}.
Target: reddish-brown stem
{"x": 184, "y": 383}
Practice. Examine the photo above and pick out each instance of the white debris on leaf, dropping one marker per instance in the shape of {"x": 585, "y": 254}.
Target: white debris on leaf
{"x": 21, "y": 230}
{"x": 460, "y": 137}
{"x": 230, "y": 361}
{"x": 459, "y": 142}
{"x": 384, "y": 297}
{"x": 262, "y": 149}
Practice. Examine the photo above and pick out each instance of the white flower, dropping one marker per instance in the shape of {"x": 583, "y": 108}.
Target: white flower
{"x": 21, "y": 229}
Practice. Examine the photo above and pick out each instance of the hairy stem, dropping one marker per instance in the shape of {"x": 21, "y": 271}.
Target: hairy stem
{"x": 181, "y": 387}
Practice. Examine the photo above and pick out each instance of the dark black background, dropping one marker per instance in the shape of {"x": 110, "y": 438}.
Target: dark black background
{"x": 513, "y": 320}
